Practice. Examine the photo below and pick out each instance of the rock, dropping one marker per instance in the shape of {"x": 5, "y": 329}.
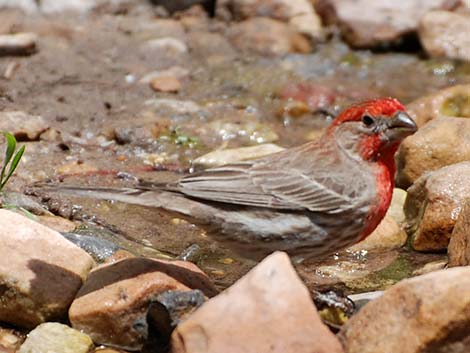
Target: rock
{"x": 20, "y": 200}
{"x": 428, "y": 313}
{"x": 395, "y": 210}
{"x": 430, "y": 267}
{"x": 57, "y": 223}
{"x": 213, "y": 47}
{"x": 29, "y": 6}
{"x": 221, "y": 157}
{"x": 364, "y": 24}
{"x": 112, "y": 305}
{"x": 299, "y": 13}
{"x": 459, "y": 245}
{"x": 166, "y": 84}
{"x": 167, "y": 44}
{"x": 41, "y": 276}
{"x": 54, "y": 337}
{"x": 18, "y": 44}
{"x": 433, "y": 204}
{"x": 267, "y": 37}
{"x": 441, "y": 142}
{"x": 10, "y": 340}
{"x": 174, "y": 71}
{"x": 443, "y": 34}
{"x": 453, "y": 101}
{"x": 168, "y": 310}
{"x": 25, "y": 127}
{"x": 387, "y": 236}
{"x": 100, "y": 249}
{"x": 268, "y": 310}
{"x": 57, "y": 6}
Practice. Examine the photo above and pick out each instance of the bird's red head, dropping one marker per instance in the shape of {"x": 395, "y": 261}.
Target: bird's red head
{"x": 374, "y": 129}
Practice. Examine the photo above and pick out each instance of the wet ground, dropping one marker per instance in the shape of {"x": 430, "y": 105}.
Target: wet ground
{"x": 106, "y": 128}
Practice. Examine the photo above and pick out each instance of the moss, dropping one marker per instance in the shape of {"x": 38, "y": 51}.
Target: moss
{"x": 351, "y": 59}
{"x": 457, "y": 105}
{"x": 399, "y": 269}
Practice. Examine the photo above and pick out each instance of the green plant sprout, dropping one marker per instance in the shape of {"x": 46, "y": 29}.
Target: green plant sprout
{"x": 12, "y": 158}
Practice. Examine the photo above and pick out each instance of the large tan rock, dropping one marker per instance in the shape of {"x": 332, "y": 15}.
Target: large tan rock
{"x": 299, "y": 13}
{"x": 268, "y": 37}
{"x": 445, "y": 34}
{"x": 453, "y": 101}
{"x": 433, "y": 204}
{"x": 268, "y": 310}
{"x": 429, "y": 313}
{"x": 441, "y": 142}
{"x": 459, "y": 245}
{"x": 366, "y": 23}
{"x": 40, "y": 271}
{"x": 112, "y": 305}
{"x": 387, "y": 236}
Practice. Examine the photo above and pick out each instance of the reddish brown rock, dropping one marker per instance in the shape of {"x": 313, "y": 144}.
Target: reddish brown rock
{"x": 112, "y": 305}
{"x": 441, "y": 142}
{"x": 429, "y": 313}
{"x": 459, "y": 245}
{"x": 166, "y": 84}
{"x": 268, "y": 310}
{"x": 433, "y": 204}
{"x": 366, "y": 23}
{"x": 40, "y": 271}
{"x": 445, "y": 34}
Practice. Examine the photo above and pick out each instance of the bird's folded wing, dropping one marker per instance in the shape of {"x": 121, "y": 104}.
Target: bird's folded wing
{"x": 263, "y": 186}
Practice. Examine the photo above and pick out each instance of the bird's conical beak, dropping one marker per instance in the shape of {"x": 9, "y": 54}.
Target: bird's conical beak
{"x": 400, "y": 126}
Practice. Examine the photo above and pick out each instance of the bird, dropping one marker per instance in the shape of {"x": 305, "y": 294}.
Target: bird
{"x": 312, "y": 200}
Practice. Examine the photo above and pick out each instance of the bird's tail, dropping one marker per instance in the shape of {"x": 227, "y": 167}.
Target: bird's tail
{"x": 129, "y": 195}
{"x": 167, "y": 200}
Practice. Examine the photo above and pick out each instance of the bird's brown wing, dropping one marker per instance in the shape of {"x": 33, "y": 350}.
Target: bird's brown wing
{"x": 269, "y": 183}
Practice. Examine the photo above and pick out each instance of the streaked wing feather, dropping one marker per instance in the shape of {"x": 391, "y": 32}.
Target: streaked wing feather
{"x": 266, "y": 183}
{"x": 230, "y": 184}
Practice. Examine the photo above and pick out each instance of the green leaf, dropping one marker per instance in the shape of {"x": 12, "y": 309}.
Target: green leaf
{"x": 14, "y": 164}
{"x": 11, "y": 146}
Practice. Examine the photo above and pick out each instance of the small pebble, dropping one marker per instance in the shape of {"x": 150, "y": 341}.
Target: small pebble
{"x": 165, "y": 84}
{"x": 18, "y": 44}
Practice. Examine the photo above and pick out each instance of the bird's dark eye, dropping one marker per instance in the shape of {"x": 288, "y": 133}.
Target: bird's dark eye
{"x": 368, "y": 120}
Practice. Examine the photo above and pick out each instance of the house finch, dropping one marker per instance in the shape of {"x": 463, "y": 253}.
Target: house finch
{"x": 310, "y": 200}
